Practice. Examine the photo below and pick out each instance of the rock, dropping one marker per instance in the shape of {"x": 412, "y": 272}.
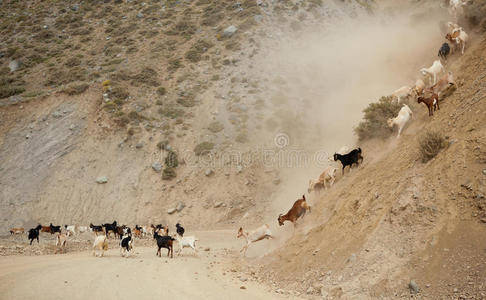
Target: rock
{"x": 218, "y": 204}
{"x": 279, "y": 291}
{"x": 75, "y": 7}
{"x": 14, "y": 65}
{"x": 413, "y": 286}
{"x": 242, "y": 287}
{"x": 310, "y": 290}
{"x": 157, "y": 167}
{"x": 243, "y": 278}
{"x": 229, "y": 31}
{"x": 452, "y": 142}
{"x": 208, "y": 172}
{"x": 140, "y": 15}
{"x": 239, "y": 169}
{"x": 139, "y": 146}
{"x": 180, "y": 206}
{"x": 57, "y": 114}
{"x": 27, "y": 136}
{"x": 171, "y": 211}
{"x": 15, "y": 99}
{"x": 102, "y": 179}
{"x": 207, "y": 249}
{"x": 72, "y": 127}
{"x": 483, "y": 220}
{"x": 484, "y": 172}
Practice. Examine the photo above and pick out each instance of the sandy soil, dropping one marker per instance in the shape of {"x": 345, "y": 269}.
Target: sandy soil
{"x": 207, "y": 275}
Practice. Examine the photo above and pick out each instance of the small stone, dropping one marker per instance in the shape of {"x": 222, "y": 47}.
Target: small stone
{"x": 239, "y": 169}
{"x": 14, "y": 65}
{"x": 310, "y": 290}
{"x": 180, "y": 206}
{"x": 218, "y": 204}
{"x": 139, "y": 146}
{"x": 75, "y": 7}
{"x": 171, "y": 211}
{"x": 243, "y": 278}
{"x": 140, "y": 15}
{"x": 229, "y": 31}
{"x": 483, "y": 220}
{"x": 57, "y": 114}
{"x": 413, "y": 286}
{"x": 72, "y": 127}
{"x": 27, "y": 136}
{"x": 242, "y": 287}
{"x": 157, "y": 167}
{"x": 102, "y": 179}
{"x": 208, "y": 172}
{"x": 455, "y": 290}
{"x": 207, "y": 249}
{"x": 352, "y": 258}
{"x": 484, "y": 172}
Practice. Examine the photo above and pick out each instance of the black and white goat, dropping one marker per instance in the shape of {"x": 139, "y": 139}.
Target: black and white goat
{"x": 126, "y": 244}
{"x": 180, "y": 230}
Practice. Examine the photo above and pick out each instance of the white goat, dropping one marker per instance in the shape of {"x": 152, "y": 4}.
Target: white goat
{"x": 262, "y": 232}
{"x": 433, "y": 71}
{"x": 187, "y": 241}
{"x": 453, "y": 27}
{"x": 100, "y": 243}
{"x": 82, "y": 229}
{"x": 461, "y": 40}
{"x": 403, "y": 92}
{"x": 70, "y": 229}
{"x": 403, "y": 116}
{"x": 329, "y": 175}
{"x": 419, "y": 87}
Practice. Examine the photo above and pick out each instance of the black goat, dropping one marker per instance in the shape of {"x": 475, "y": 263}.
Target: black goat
{"x": 110, "y": 227}
{"x": 96, "y": 228}
{"x": 444, "y": 51}
{"x": 34, "y": 234}
{"x": 164, "y": 241}
{"x": 55, "y": 229}
{"x": 180, "y": 230}
{"x": 349, "y": 159}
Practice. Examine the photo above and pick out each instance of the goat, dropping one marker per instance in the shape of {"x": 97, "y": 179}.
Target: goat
{"x": 119, "y": 230}
{"x": 298, "y": 210}
{"x": 96, "y": 228}
{"x": 82, "y": 229}
{"x": 453, "y": 27}
{"x": 164, "y": 242}
{"x": 349, "y": 159}
{"x": 147, "y": 230}
{"x": 187, "y": 241}
{"x": 419, "y": 87}
{"x": 433, "y": 71}
{"x": 161, "y": 227}
{"x": 432, "y": 103}
{"x": 100, "y": 243}
{"x": 61, "y": 241}
{"x": 444, "y": 51}
{"x": 403, "y": 92}
{"x": 445, "y": 82}
{"x": 110, "y": 227}
{"x": 137, "y": 231}
{"x": 401, "y": 119}
{"x": 70, "y": 229}
{"x": 180, "y": 230}
{"x": 262, "y": 232}
{"x": 126, "y": 245}
{"x": 45, "y": 229}
{"x": 55, "y": 229}
{"x": 458, "y": 38}
{"x": 16, "y": 230}
{"x": 34, "y": 234}
{"x": 329, "y": 175}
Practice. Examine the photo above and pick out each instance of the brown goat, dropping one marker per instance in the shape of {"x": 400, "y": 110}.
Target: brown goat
{"x": 298, "y": 210}
{"x": 432, "y": 103}
{"x": 16, "y": 230}
{"x": 46, "y": 229}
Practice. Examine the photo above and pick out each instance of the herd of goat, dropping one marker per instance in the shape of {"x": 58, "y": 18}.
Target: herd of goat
{"x": 430, "y": 96}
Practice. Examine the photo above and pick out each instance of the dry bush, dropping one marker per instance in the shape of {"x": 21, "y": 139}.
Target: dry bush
{"x": 203, "y": 148}
{"x": 215, "y": 127}
{"x": 147, "y": 76}
{"x": 170, "y": 111}
{"x": 374, "y": 123}
{"x": 76, "y": 89}
{"x": 171, "y": 160}
{"x": 430, "y": 144}
{"x": 168, "y": 174}
{"x": 10, "y": 87}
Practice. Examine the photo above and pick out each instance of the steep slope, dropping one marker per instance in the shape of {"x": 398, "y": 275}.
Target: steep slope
{"x": 395, "y": 218}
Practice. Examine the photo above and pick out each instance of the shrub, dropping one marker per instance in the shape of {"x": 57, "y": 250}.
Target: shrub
{"x": 7, "y": 91}
{"x": 171, "y": 112}
{"x": 168, "y": 174}
{"x": 215, "y": 127}
{"x": 171, "y": 160}
{"x": 375, "y": 117}
{"x": 76, "y": 89}
{"x": 430, "y": 144}
{"x": 161, "y": 91}
{"x": 203, "y": 148}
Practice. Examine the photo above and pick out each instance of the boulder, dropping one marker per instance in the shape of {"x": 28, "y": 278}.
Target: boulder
{"x": 102, "y": 179}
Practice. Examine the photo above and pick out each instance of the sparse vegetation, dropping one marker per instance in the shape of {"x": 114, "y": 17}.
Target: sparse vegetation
{"x": 375, "y": 116}
{"x": 430, "y": 144}
{"x": 215, "y": 127}
{"x": 161, "y": 91}
{"x": 76, "y": 89}
{"x": 171, "y": 160}
{"x": 162, "y": 145}
{"x": 168, "y": 173}
{"x": 203, "y": 148}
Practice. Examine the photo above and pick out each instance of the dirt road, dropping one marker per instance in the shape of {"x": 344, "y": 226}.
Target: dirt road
{"x": 141, "y": 276}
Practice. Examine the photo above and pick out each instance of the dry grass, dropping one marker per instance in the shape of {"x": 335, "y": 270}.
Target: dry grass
{"x": 203, "y": 148}
{"x": 430, "y": 144}
{"x": 76, "y": 89}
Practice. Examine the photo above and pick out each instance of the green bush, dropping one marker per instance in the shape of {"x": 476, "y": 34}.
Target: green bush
{"x": 203, "y": 148}
{"x": 374, "y": 124}
{"x": 430, "y": 144}
{"x": 171, "y": 160}
{"x": 168, "y": 174}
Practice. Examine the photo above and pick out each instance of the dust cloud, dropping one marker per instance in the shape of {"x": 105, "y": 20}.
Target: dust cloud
{"x": 321, "y": 77}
